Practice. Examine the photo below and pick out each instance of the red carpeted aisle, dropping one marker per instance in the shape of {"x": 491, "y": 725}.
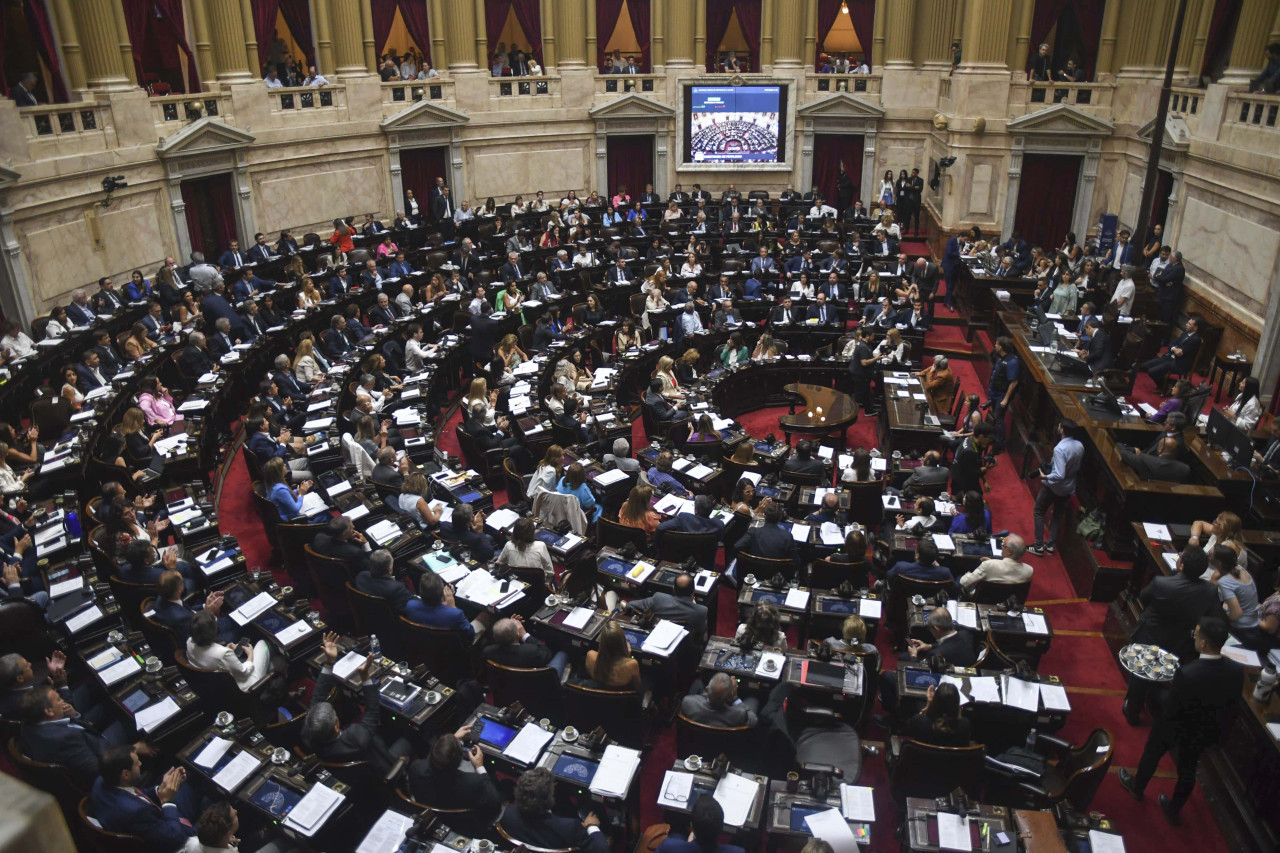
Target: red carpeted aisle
{"x": 1079, "y": 654}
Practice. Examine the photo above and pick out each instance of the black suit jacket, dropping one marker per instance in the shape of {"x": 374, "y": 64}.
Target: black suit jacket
{"x": 1099, "y": 357}
{"x": 1189, "y": 343}
{"x": 531, "y": 653}
{"x": 349, "y": 552}
{"x": 389, "y": 588}
{"x": 551, "y": 830}
{"x": 966, "y": 469}
{"x": 1197, "y": 700}
{"x": 959, "y": 649}
{"x": 805, "y": 466}
{"x": 484, "y": 331}
{"x": 360, "y": 740}
{"x": 1162, "y": 468}
{"x": 771, "y": 541}
{"x": 1168, "y": 282}
{"x": 457, "y": 789}
{"x": 381, "y": 316}
{"x": 77, "y": 746}
{"x": 195, "y": 362}
{"x": 438, "y": 207}
{"x": 1171, "y": 607}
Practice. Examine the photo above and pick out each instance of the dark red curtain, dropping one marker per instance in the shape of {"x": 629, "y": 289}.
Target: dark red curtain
{"x": 211, "y": 214}
{"x": 42, "y": 34}
{"x": 264, "y": 24}
{"x": 419, "y": 168}
{"x": 384, "y": 15}
{"x": 414, "y": 13}
{"x": 529, "y": 17}
{"x": 630, "y": 164}
{"x": 607, "y": 14}
{"x": 1224, "y": 13}
{"x": 830, "y": 150}
{"x": 749, "y": 20}
{"x": 828, "y": 10}
{"x": 862, "y": 14}
{"x": 495, "y": 16}
{"x": 297, "y": 16}
{"x": 1046, "y": 197}
{"x": 719, "y": 13}
{"x": 1089, "y": 16}
{"x": 640, "y": 13}
{"x": 157, "y": 33}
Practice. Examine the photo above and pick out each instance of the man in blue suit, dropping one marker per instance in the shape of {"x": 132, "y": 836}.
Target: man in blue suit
{"x": 80, "y": 312}
{"x": 769, "y": 540}
{"x": 249, "y": 285}
{"x": 1120, "y": 253}
{"x": 950, "y": 268}
{"x": 232, "y": 258}
{"x": 439, "y": 610}
{"x": 215, "y": 305}
{"x": 163, "y": 817}
{"x": 90, "y": 372}
{"x": 174, "y": 614}
{"x": 55, "y": 733}
{"x": 698, "y": 521}
{"x": 707, "y": 821}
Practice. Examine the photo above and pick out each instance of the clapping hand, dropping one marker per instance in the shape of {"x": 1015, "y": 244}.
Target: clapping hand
{"x": 330, "y": 643}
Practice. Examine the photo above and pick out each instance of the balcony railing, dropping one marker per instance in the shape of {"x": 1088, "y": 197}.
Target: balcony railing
{"x": 59, "y": 120}
{"x": 1254, "y": 111}
{"x": 1093, "y": 98}
{"x": 621, "y": 84}
{"x": 400, "y": 93}
{"x": 171, "y": 113}
{"x": 867, "y": 85}
{"x": 302, "y": 98}
{"x": 505, "y": 92}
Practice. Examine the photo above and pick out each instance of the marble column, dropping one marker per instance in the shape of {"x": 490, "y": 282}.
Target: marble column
{"x": 480, "y": 35}
{"x": 1247, "y": 58}
{"x": 900, "y": 31}
{"x": 348, "y": 38}
{"x": 766, "y": 33}
{"x": 680, "y": 22}
{"x": 571, "y": 35}
{"x": 658, "y": 34}
{"x": 789, "y": 36}
{"x": 457, "y": 26}
{"x": 1199, "y": 29}
{"x": 1275, "y": 29}
{"x": 878, "y": 24}
{"x": 590, "y": 48}
{"x": 700, "y": 34}
{"x": 251, "y": 37}
{"x": 95, "y": 21}
{"x": 367, "y": 41}
{"x": 810, "y": 35}
{"x": 986, "y": 34}
{"x": 226, "y": 34}
{"x": 123, "y": 44}
{"x": 72, "y": 58}
{"x": 934, "y": 21}
{"x": 550, "y": 52}
{"x": 1106, "y": 64}
{"x": 1139, "y": 20}
{"x": 957, "y": 25}
{"x": 439, "y": 49}
{"x": 16, "y": 297}
{"x": 1020, "y": 47}
{"x": 324, "y": 37}
{"x": 1187, "y": 47}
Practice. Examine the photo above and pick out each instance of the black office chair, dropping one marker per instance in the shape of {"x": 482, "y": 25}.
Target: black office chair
{"x": 104, "y": 840}
{"x": 620, "y": 712}
{"x": 537, "y": 688}
{"x": 676, "y": 546}
{"x": 613, "y": 534}
{"x": 374, "y": 614}
{"x": 923, "y": 770}
{"x": 441, "y": 650}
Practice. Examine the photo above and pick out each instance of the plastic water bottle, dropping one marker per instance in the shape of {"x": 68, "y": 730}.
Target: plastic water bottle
{"x": 1266, "y": 683}
{"x": 73, "y": 524}
{"x": 375, "y": 645}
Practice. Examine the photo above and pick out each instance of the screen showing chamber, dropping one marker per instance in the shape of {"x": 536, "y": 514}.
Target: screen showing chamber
{"x": 574, "y": 769}
{"x": 734, "y": 124}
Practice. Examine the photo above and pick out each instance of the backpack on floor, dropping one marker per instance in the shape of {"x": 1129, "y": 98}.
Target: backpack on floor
{"x": 1093, "y": 525}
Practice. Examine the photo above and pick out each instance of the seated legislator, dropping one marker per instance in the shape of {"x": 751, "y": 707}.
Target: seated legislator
{"x": 205, "y": 652}
{"x": 677, "y": 606}
{"x": 706, "y": 823}
{"x": 171, "y": 612}
{"x": 1163, "y": 465}
{"x": 442, "y": 612}
{"x": 451, "y": 777}
{"x": 54, "y": 732}
{"x": 698, "y": 521}
{"x": 953, "y": 645}
{"x": 1180, "y": 356}
{"x": 531, "y": 821}
{"x": 718, "y": 704}
{"x": 163, "y": 817}
{"x": 612, "y": 666}
{"x": 941, "y": 723}
{"x": 341, "y": 541}
{"x": 514, "y": 646}
{"x": 803, "y": 461}
{"x": 925, "y": 567}
{"x": 1008, "y": 569}
{"x": 769, "y": 540}
{"x": 378, "y": 580}
{"x": 637, "y": 511}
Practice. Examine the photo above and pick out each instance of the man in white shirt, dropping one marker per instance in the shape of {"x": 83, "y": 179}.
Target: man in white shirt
{"x": 203, "y": 274}
{"x": 15, "y": 343}
{"x": 1159, "y": 262}
{"x": 584, "y": 258}
{"x": 1008, "y": 569}
{"x": 1124, "y": 293}
{"x": 415, "y": 353}
{"x": 315, "y": 78}
{"x": 540, "y": 204}
{"x": 427, "y": 71}
{"x": 690, "y": 322}
{"x": 463, "y": 213}
{"x": 862, "y": 67}
{"x": 404, "y": 301}
{"x": 820, "y": 209}
{"x": 273, "y": 80}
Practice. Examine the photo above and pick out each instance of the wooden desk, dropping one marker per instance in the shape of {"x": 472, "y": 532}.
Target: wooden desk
{"x": 826, "y": 411}
{"x": 906, "y": 424}
{"x": 778, "y": 827}
{"x": 922, "y": 826}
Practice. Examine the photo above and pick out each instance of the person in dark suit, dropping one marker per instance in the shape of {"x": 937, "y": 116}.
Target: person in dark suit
{"x": 514, "y": 646}
{"x": 718, "y": 705}
{"x": 382, "y": 314}
{"x": 164, "y": 817}
{"x": 1019, "y": 253}
{"x": 952, "y": 645}
{"x": 925, "y": 567}
{"x": 442, "y": 207}
{"x": 23, "y": 91}
{"x": 221, "y": 341}
{"x": 108, "y": 359}
{"x": 484, "y": 334}
{"x": 862, "y": 368}
{"x": 1120, "y": 253}
{"x": 90, "y": 372}
{"x": 1168, "y": 283}
{"x": 80, "y": 312}
{"x": 387, "y": 472}
{"x": 441, "y": 610}
{"x": 1164, "y": 465}
{"x": 339, "y": 283}
{"x": 803, "y": 462}
{"x": 322, "y": 731}
{"x": 195, "y": 360}
{"x": 930, "y": 473}
{"x": 171, "y": 612}
{"x": 1171, "y": 607}
{"x": 1098, "y": 353}
{"x": 469, "y": 528}
{"x": 215, "y": 305}
{"x": 951, "y": 268}
{"x": 341, "y": 541}
{"x": 249, "y": 285}
{"x": 18, "y": 679}
{"x": 1180, "y": 356}
{"x": 678, "y": 606}
{"x": 530, "y": 820}
{"x": 260, "y": 251}
{"x": 232, "y": 258}
{"x": 698, "y": 521}
{"x": 378, "y": 581}
{"x": 925, "y": 277}
{"x": 107, "y": 300}
{"x": 769, "y": 539}
{"x": 1192, "y": 716}
{"x": 917, "y": 318}
{"x": 53, "y": 731}
{"x": 784, "y": 314}
{"x": 442, "y": 781}
{"x": 662, "y": 408}
{"x": 707, "y": 822}
{"x": 821, "y": 311}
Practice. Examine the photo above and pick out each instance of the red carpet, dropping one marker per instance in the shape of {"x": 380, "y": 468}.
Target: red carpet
{"x": 1079, "y": 654}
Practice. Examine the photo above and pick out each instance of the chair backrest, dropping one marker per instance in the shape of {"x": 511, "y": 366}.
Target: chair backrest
{"x": 330, "y": 577}
{"x": 554, "y": 507}
{"x": 129, "y": 595}
{"x": 1084, "y": 768}
{"x": 827, "y": 574}
{"x": 288, "y": 733}
{"x": 53, "y": 779}
{"x": 374, "y": 614}
{"x": 51, "y": 415}
{"x": 164, "y": 642}
{"x": 252, "y": 462}
{"x": 613, "y": 534}
{"x": 901, "y": 588}
{"x": 514, "y": 481}
{"x": 355, "y": 455}
{"x": 678, "y": 546}
{"x": 104, "y": 840}
{"x": 537, "y": 688}
{"x": 517, "y": 845}
{"x": 996, "y": 592}
{"x": 928, "y": 771}
{"x": 738, "y": 743}
{"x": 764, "y": 568}
{"x": 865, "y": 506}
{"x": 218, "y": 691}
{"x": 440, "y": 649}
{"x": 267, "y": 512}
{"x": 293, "y": 538}
{"x": 802, "y": 479}
{"x": 23, "y": 629}
{"x": 620, "y": 712}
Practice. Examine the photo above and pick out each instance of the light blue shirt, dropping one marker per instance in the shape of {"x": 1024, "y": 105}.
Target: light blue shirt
{"x": 1067, "y": 456}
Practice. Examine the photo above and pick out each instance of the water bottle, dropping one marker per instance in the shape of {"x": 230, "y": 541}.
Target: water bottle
{"x": 73, "y": 525}
{"x": 375, "y": 646}
{"x": 1266, "y": 683}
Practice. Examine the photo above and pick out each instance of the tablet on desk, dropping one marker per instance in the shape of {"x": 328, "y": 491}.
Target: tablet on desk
{"x": 838, "y": 605}
{"x": 575, "y": 769}
{"x": 800, "y": 811}
{"x": 634, "y": 637}
{"x": 493, "y": 733}
{"x": 136, "y": 700}
{"x": 768, "y": 596}
{"x": 617, "y": 567}
{"x": 733, "y": 659}
{"x": 275, "y": 798}
{"x": 922, "y": 679}
{"x": 822, "y": 674}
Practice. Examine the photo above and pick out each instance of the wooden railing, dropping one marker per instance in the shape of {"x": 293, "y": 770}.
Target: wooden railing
{"x": 1093, "y": 98}
{"x": 402, "y": 93}
{"x": 171, "y": 113}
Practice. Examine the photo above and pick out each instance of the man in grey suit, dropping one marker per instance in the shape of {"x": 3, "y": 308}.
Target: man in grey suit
{"x": 718, "y": 704}
{"x": 621, "y": 456}
{"x": 930, "y": 473}
{"x": 678, "y": 607}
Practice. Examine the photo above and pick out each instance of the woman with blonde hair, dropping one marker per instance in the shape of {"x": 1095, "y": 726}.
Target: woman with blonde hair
{"x": 637, "y": 512}
{"x": 138, "y": 344}
{"x": 479, "y": 392}
{"x": 308, "y": 296}
{"x": 139, "y": 450}
{"x": 670, "y": 385}
{"x": 548, "y": 472}
{"x": 570, "y": 372}
{"x": 893, "y": 349}
{"x": 1227, "y": 530}
{"x": 510, "y": 353}
{"x": 305, "y": 368}
{"x": 654, "y": 303}
{"x": 766, "y": 349}
{"x": 412, "y": 501}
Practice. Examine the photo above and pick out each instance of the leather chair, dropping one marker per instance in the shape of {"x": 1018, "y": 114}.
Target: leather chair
{"x": 269, "y": 515}
{"x": 53, "y": 779}
{"x": 865, "y": 504}
{"x": 293, "y": 539}
{"x": 103, "y": 840}
{"x": 163, "y": 641}
{"x": 252, "y": 462}
{"x": 825, "y": 574}
{"x": 924, "y": 770}
{"x": 442, "y": 650}
{"x": 620, "y": 712}
{"x": 517, "y": 844}
{"x": 1072, "y": 775}
{"x": 365, "y": 781}
{"x": 51, "y": 415}
{"x": 488, "y": 462}
{"x": 997, "y": 592}
{"x": 463, "y": 821}
{"x": 375, "y": 615}
{"x": 801, "y": 479}
{"x": 654, "y": 429}
{"x": 517, "y": 492}
{"x": 612, "y": 534}
{"x": 330, "y": 576}
{"x": 288, "y": 733}
{"x": 637, "y": 302}
{"x": 895, "y": 612}
{"x": 537, "y": 688}
{"x": 824, "y": 739}
{"x": 764, "y": 568}
{"x": 23, "y": 629}
{"x": 677, "y": 546}
{"x": 217, "y": 690}
{"x": 129, "y": 595}
{"x": 738, "y": 743}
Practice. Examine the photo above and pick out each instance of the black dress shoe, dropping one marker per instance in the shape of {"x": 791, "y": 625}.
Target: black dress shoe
{"x": 1170, "y": 813}
{"x": 1127, "y": 782}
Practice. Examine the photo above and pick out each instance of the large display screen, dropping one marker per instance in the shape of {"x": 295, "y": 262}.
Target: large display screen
{"x": 734, "y": 124}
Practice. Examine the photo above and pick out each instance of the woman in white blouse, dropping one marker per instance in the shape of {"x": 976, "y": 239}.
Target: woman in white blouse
{"x": 890, "y": 226}
{"x": 305, "y": 368}
{"x": 653, "y": 303}
{"x": 71, "y": 388}
{"x": 204, "y": 651}
{"x": 10, "y": 482}
{"x": 893, "y": 349}
{"x": 802, "y": 289}
{"x": 308, "y": 296}
{"x": 58, "y": 324}
{"x": 518, "y": 207}
{"x": 479, "y": 393}
{"x": 1246, "y": 408}
{"x": 691, "y": 268}
{"x": 524, "y": 550}
{"x": 672, "y": 213}
{"x": 548, "y": 472}
{"x": 664, "y": 371}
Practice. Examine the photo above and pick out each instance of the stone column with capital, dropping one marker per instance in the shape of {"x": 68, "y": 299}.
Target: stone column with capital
{"x": 789, "y": 37}
{"x": 700, "y": 34}
{"x": 103, "y": 66}
{"x": 986, "y": 35}
{"x": 1247, "y": 51}
{"x": 680, "y": 24}
{"x": 571, "y": 35}
{"x": 348, "y": 38}
{"x": 251, "y": 38}
{"x": 1106, "y": 67}
{"x": 1140, "y": 23}
{"x": 590, "y": 48}
{"x": 1020, "y": 47}
{"x": 324, "y": 38}
{"x": 123, "y": 44}
{"x": 72, "y": 57}
{"x": 766, "y": 34}
{"x": 457, "y": 23}
{"x": 658, "y": 34}
{"x": 226, "y": 34}
{"x": 899, "y": 34}
{"x": 550, "y": 36}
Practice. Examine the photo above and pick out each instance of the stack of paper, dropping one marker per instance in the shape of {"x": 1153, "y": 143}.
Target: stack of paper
{"x": 664, "y": 638}
{"x": 253, "y": 608}
{"x": 84, "y": 619}
{"x": 383, "y": 532}
{"x": 640, "y": 571}
{"x": 985, "y": 688}
{"x": 953, "y": 832}
{"x": 1158, "y": 532}
{"x": 314, "y": 809}
{"x": 61, "y": 588}
{"x": 237, "y": 770}
{"x": 527, "y": 745}
{"x": 348, "y": 664}
{"x": 1054, "y": 697}
{"x": 501, "y": 519}
{"x": 151, "y": 717}
{"x": 698, "y": 472}
{"x": 797, "y": 598}
{"x": 296, "y": 631}
{"x": 1035, "y": 623}
{"x": 800, "y": 532}
{"x": 736, "y": 794}
{"x": 578, "y": 618}
{"x": 856, "y": 803}
{"x": 608, "y": 478}
{"x": 617, "y": 768}
{"x": 213, "y": 752}
{"x": 120, "y": 670}
{"x": 387, "y": 834}
{"x": 831, "y": 534}
{"x": 870, "y": 608}
{"x": 1105, "y": 842}
{"x": 1021, "y": 694}
{"x": 829, "y": 825}
{"x": 673, "y": 505}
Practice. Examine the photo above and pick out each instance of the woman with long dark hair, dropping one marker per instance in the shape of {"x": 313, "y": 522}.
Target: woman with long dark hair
{"x": 940, "y": 723}
{"x": 762, "y": 628}
{"x": 975, "y": 517}
{"x": 1246, "y": 409}
{"x": 613, "y": 666}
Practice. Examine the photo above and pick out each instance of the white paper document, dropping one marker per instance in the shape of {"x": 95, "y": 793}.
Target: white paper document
{"x": 1157, "y": 531}
{"x": 527, "y": 745}
{"x": 870, "y": 608}
{"x": 1022, "y": 694}
{"x": 1105, "y": 842}
{"x": 150, "y": 718}
{"x": 237, "y": 770}
{"x": 676, "y": 788}
{"x": 296, "y": 631}
{"x": 501, "y": 519}
{"x": 61, "y": 588}
{"x": 84, "y": 618}
{"x": 387, "y": 834}
{"x": 1054, "y": 697}
{"x": 1035, "y": 623}
{"x": 984, "y": 688}
{"x": 617, "y": 767}
{"x": 953, "y": 832}
{"x": 608, "y": 478}
{"x": 944, "y": 542}
{"x": 1234, "y": 651}
{"x": 831, "y": 534}
{"x": 578, "y": 618}
{"x": 697, "y": 472}
{"x": 348, "y": 664}
{"x": 312, "y": 504}
{"x": 831, "y": 828}
{"x": 212, "y": 752}
{"x": 736, "y": 794}
{"x": 664, "y": 638}
{"x": 967, "y": 617}
{"x": 120, "y": 670}
{"x": 105, "y": 658}
{"x": 797, "y": 598}
{"x": 857, "y": 803}
{"x": 800, "y": 532}
{"x": 314, "y": 809}
{"x": 253, "y": 608}
{"x": 779, "y": 662}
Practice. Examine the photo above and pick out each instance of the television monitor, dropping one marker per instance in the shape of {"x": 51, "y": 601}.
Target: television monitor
{"x": 1230, "y": 437}
{"x": 735, "y": 124}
